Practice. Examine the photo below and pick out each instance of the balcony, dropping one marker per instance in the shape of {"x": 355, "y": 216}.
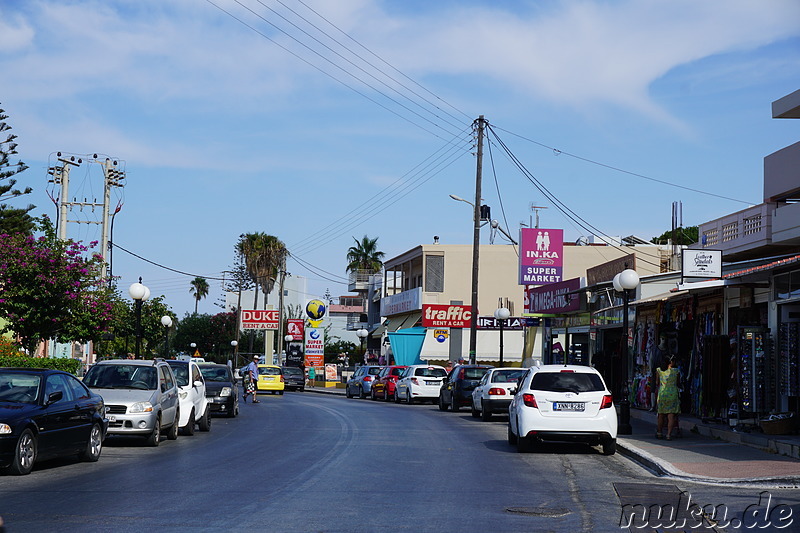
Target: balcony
{"x": 359, "y": 280}
{"x": 742, "y": 235}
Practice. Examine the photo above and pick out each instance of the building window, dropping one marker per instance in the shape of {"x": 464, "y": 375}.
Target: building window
{"x": 434, "y": 273}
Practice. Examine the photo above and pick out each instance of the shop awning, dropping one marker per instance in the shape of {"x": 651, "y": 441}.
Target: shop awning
{"x": 659, "y": 297}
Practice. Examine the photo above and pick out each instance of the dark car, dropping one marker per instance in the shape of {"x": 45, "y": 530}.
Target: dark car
{"x": 457, "y": 387}
{"x": 47, "y": 413}
{"x": 222, "y": 389}
{"x": 294, "y": 378}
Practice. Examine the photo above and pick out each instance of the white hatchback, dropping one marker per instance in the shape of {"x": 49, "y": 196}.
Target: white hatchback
{"x": 562, "y": 403}
{"x": 419, "y": 383}
{"x": 192, "y": 395}
{"x": 493, "y": 394}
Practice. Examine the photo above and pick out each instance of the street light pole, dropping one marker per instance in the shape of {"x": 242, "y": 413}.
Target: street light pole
{"x": 501, "y": 314}
{"x": 623, "y": 282}
{"x": 139, "y": 293}
{"x": 362, "y": 334}
{"x": 166, "y": 321}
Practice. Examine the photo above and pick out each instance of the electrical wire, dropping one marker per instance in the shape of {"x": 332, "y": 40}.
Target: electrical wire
{"x": 499, "y": 196}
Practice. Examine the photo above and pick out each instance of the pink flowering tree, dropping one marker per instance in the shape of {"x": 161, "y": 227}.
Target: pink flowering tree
{"x": 51, "y": 288}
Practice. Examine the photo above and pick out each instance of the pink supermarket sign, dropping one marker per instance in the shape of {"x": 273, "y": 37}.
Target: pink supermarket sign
{"x": 541, "y": 256}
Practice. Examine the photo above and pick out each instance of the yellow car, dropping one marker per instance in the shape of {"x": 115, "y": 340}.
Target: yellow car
{"x": 270, "y": 379}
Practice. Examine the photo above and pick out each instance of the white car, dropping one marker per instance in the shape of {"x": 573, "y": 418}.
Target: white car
{"x": 562, "y": 403}
{"x": 419, "y": 383}
{"x": 494, "y": 392}
{"x": 192, "y": 395}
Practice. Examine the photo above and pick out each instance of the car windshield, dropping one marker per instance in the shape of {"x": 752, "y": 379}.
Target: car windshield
{"x": 121, "y": 377}
{"x": 215, "y": 373}
{"x": 292, "y": 372}
{"x": 269, "y": 371}
{"x": 507, "y": 376}
{"x": 19, "y": 388}
{"x": 474, "y": 373}
{"x": 430, "y": 372}
{"x": 566, "y": 382}
{"x": 181, "y": 372}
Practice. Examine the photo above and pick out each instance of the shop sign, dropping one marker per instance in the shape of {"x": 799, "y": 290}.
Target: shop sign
{"x": 259, "y": 319}
{"x": 556, "y": 298}
{"x": 511, "y": 323}
{"x": 446, "y": 316}
{"x": 315, "y": 346}
{"x": 701, "y": 264}
{"x": 541, "y": 256}
{"x": 402, "y": 302}
{"x": 441, "y": 335}
{"x": 295, "y": 327}
{"x": 606, "y": 271}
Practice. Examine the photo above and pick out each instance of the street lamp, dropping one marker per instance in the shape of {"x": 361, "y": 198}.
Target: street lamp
{"x": 166, "y": 321}
{"x": 192, "y": 346}
{"x": 362, "y": 334}
{"x": 623, "y": 282}
{"x": 139, "y": 293}
{"x": 501, "y": 314}
{"x": 288, "y": 338}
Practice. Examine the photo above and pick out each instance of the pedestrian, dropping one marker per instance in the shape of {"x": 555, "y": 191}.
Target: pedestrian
{"x": 251, "y": 378}
{"x": 312, "y": 376}
{"x": 668, "y": 401}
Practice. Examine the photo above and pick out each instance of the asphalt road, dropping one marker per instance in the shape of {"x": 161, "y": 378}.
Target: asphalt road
{"x": 306, "y": 462}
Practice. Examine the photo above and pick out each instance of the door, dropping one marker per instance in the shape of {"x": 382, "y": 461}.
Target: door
{"x": 63, "y": 425}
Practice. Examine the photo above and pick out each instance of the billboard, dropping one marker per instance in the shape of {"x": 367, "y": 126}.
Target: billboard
{"x": 259, "y": 319}
{"x": 295, "y": 327}
{"x": 702, "y": 263}
{"x": 541, "y": 256}
{"x": 315, "y": 346}
{"x": 446, "y": 316}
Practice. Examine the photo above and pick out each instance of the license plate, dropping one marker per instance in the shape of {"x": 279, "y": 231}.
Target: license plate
{"x": 569, "y": 406}
{"x": 432, "y": 383}
{"x": 112, "y": 418}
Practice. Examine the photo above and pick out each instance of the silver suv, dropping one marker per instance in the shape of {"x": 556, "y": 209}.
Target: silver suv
{"x": 141, "y": 397}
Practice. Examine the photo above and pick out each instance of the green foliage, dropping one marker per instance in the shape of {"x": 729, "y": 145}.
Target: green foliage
{"x": 683, "y": 236}
{"x": 8, "y": 348}
{"x": 333, "y": 349}
{"x": 198, "y": 288}
{"x": 365, "y": 255}
{"x": 12, "y": 220}
{"x": 67, "y": 365}
{"x": 211, "y": 333}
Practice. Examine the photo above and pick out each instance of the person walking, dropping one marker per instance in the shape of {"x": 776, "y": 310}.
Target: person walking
{"x": 312, "y": 375}
{"x": 668, "y": 400}
{"x": 251, "y": 378}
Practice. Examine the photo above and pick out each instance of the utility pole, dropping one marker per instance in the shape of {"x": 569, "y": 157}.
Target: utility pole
{"x": 535, "y": 208}
{"x": 281, "y": 318}
{"x": 476, "y": 243}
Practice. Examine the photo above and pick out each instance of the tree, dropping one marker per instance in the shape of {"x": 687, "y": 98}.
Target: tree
{"x": 264, "y": 257}
{"x": 50, "y": 289}
{"x": 199, "y": 288}
{"x": 683, "y": 236}
{"x": 12, "y": 220}
{"x": 365, "y": 255}
{"x": 211, "y": 333}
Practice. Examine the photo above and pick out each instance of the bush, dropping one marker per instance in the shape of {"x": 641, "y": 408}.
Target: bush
{"x": 19, "y": 361}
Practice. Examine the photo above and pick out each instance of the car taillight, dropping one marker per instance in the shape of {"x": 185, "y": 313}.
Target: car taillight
{"x": 607, "y": 401}
{"x": 529, "y": 400}
{"x": 281, "y": 379}
{"x": 497, "y": 391}
{"x": 367, "y": 378}
{"x": 568, "y": 371}
{"x": 414, "y": 381}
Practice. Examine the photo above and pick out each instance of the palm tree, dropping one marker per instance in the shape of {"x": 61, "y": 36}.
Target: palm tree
{"x": 199, "y": 288}
{"x": 264, "y": 258}
{"x": 365, "y": 255}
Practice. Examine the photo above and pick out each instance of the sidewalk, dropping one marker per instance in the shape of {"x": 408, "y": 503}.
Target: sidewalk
{"x": 707, "y": 452}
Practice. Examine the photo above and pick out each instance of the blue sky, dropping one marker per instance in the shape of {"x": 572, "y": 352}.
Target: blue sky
{"x": 229, "y": 126}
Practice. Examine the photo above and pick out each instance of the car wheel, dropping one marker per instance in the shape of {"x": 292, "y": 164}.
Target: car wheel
{"x": 512, "y": 439}
{"x": 396, "y": 396}
{"x": 361, "y": 393}
{"x": 372, "y": 395}
{"x": 188, "y": 429}
{"x": 347, "y": 392}
{"x": 155, "y": 437}
{"x": 93, "y": 446}
{"x": 409, "y": 399}
{"x": 523, "y": 444}
{"x": 442, "y": 405}
{"x": 280, "y": 393}
{"x": 386, "y": 396}
{"x": 205, "y": 422}
{"x": 609, "y": 446}
{"x": 24, "y": 454}
{"x": 172, "y": 434}
{"x": 454, "y": 402}
{"x": 474, "y": 412}
{"x": 486, "y": 414}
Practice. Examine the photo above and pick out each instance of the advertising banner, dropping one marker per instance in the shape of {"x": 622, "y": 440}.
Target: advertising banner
{"x": 541, "y": 256}
{"x": 511, "y": 323}
{"x": 315, "y": 346}
{"x": 556, "y": 298}
{"x": 330, "y": 372}
{"x": 446, "y": 316}
{"x": 702, "y": 264}
{"x": 259, "y": 319}
{"x": 295, "y": 327}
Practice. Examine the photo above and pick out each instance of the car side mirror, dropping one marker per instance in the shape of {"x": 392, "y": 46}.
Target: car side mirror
{"x": 54, "y": 397}
{"x": 512, "y": 392}
{"x": 163, "y": 387}
{"x": 198, "y": 383}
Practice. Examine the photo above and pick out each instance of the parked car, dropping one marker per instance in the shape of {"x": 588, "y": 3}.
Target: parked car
{"x": 494, "y": 392}
{"x": 270, "y": 379}
{"x": 194, "y": 409}
{"x": 562, "y": 403}
{"x": 294, "y": 378}
{"x": 420, "y": 383}
{"x": 457, "y": 386}
{"x": 222, "y": 389}
{"x": 360, "y": 383}
{"x": 141, "y": 397}
{"x": 385, "y": 384}
{"x": 47, "y": 413}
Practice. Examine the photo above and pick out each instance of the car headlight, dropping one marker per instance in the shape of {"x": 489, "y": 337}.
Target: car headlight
{"x": 183, "y": 394}
{"x": 141, "y": 407}
{"x": 226, "y": 391}
{"x": 5, "y": 429}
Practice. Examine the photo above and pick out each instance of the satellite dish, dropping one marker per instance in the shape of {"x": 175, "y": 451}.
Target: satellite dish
{"x": 582, "y": 241}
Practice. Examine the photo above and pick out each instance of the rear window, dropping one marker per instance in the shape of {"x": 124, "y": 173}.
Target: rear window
{"x": 566, "y": 382}
{"x": 507, "y": 376}
{"x": 292, "y": 372}
{"x": 473, "y": 373}
{"x": 375, "y": 370}
{"x": 397, "y": 371}
{"x": 430, "y": 372}
{"x": 269, "y": 371}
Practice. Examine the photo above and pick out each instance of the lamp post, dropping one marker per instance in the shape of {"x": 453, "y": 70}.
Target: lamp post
{"x": 501, "y": 314}
{"x": 139, "y": 293}
{"x": 234, "y": 344}
{"x": 362, "y": 334}
{"x": 288, "y": 338}
{"x": 166, "y": 321}
{"x": 623, "y": 282}
{"x": 192, "y": 345}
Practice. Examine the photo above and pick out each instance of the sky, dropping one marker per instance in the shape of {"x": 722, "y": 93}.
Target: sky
{"x": 321, "y": 121}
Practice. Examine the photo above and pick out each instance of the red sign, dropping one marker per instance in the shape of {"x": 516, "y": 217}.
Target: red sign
{"x": 446, "y": 316}
{"x": 259, "y": 319}
{"x": 295, "y": 328}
